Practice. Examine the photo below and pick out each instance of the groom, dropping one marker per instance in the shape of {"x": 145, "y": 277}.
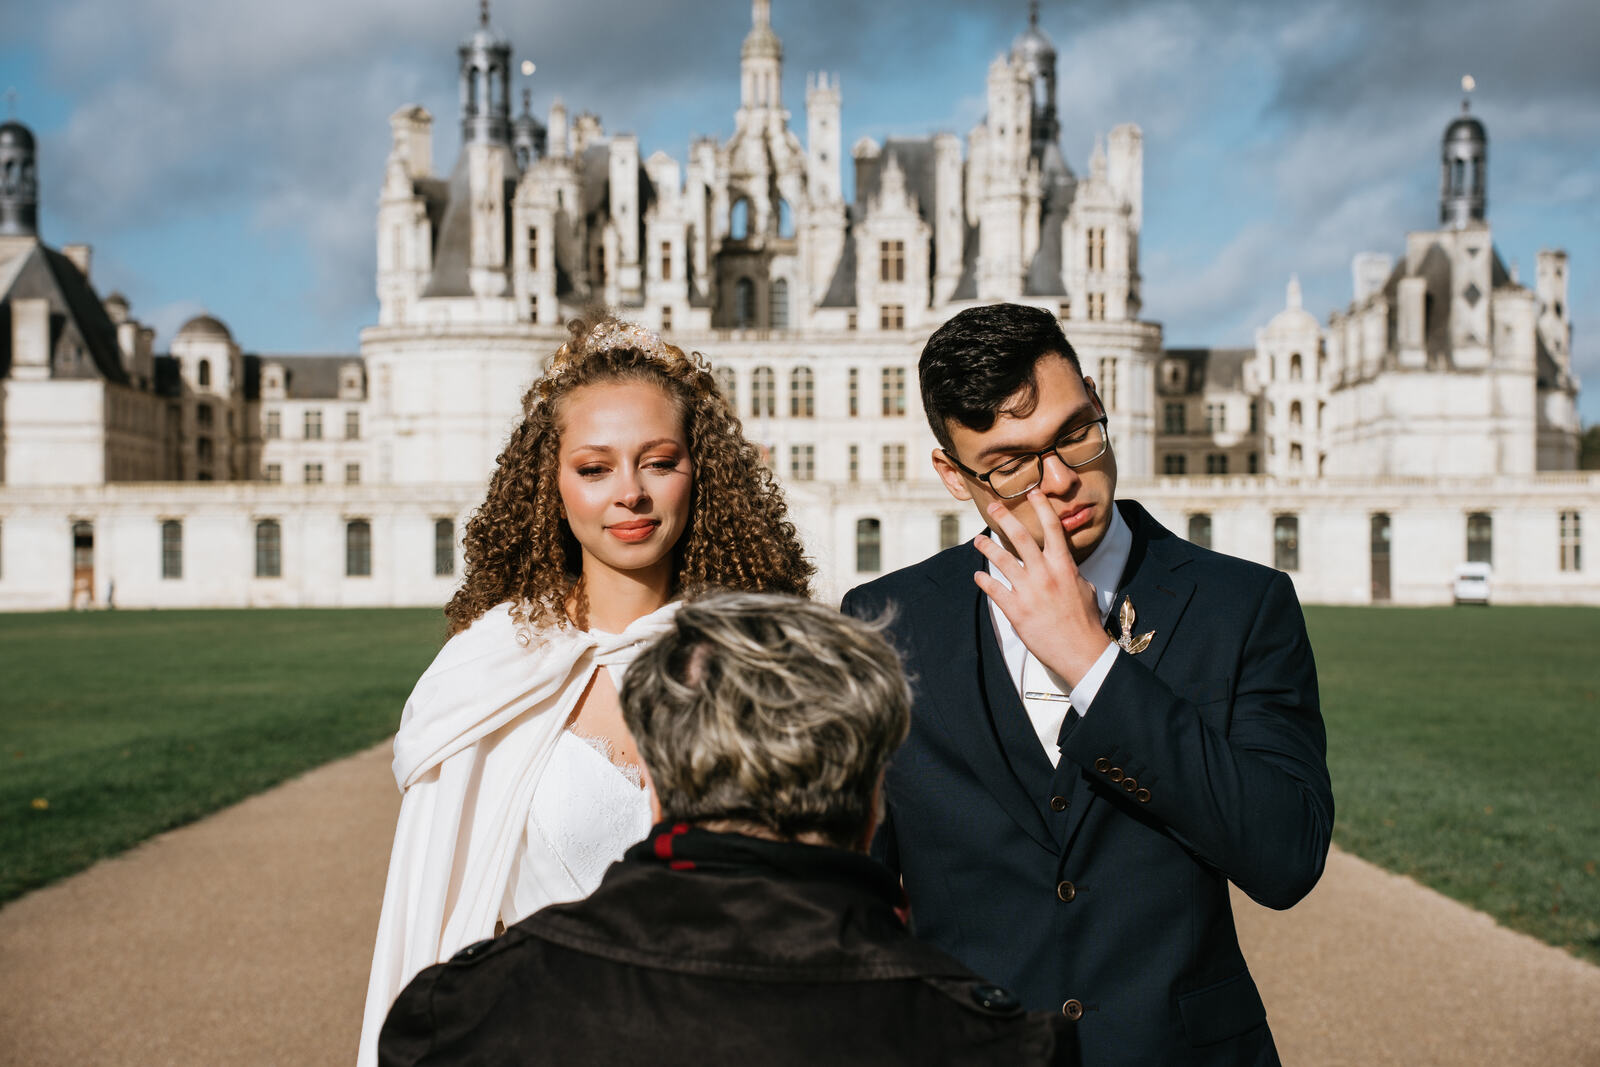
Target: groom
{"x": 1070, "y": 807}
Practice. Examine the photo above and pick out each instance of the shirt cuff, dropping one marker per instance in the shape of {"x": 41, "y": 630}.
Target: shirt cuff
{"x": 1084, "y": 692}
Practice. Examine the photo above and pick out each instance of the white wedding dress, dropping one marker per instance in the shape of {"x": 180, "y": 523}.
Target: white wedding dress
{"x": 503, "y": 810}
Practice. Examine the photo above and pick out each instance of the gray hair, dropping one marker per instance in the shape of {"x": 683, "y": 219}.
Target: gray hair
{"x": 768, "y": 710}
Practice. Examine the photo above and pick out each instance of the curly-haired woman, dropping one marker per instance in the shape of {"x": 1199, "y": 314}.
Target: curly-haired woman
{"x": 628, "y": 486}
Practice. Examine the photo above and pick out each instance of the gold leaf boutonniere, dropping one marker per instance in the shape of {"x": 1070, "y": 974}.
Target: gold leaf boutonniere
{"x": 1126, "y": 641}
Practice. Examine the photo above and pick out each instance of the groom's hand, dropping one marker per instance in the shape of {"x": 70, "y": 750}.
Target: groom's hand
{"x": 1051, "y": 605}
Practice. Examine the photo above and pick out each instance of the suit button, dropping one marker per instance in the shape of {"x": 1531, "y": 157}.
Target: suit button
{"x": 1130, "y": 784}
{"x": 1073, "y": 1009}
{"x": 1102, "y": 765}
{"x": 1058, "y": 803}
{"x": 995, "y": 999}
{"x": 1142, "y": 795}
{"x": 1115, "y": 774}
{"x": 1065, "y": 891}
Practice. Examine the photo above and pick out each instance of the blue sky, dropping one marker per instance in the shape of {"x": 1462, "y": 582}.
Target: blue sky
{"x": 226, "y": 156}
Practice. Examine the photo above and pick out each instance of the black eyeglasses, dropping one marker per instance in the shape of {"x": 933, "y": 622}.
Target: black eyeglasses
{"x": 1078, "y": 447}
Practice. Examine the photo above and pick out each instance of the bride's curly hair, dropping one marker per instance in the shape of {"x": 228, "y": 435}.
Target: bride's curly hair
{"x": 518, "y": 548}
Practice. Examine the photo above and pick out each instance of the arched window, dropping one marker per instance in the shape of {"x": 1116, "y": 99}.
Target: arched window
{"x": 358, "y": 548}
{"x": 763, "y": 392}
{"x": 744, "y": 304}
{"x": 1296, "y": 415}
{"x": 802, "y": 393}
{"x": 785, "y": 219}
{"x": 949, "y": 531}
{"x": 172, "y": 549}
{"x": 1200, "y": 529}
{"x": 869, "y": 546}
{"x": 727, "y": 384}
{"x": 739, "y": 220}
{"x": 444, "y": 547}
{"x": 1286, "y": 542}
{"x": 778, "y": 314}
{"x": 203, "y": 375}
{"x": 1296, "y": 368}
{"x": 269, "y": 549}
{"x": 1480, "y": 537}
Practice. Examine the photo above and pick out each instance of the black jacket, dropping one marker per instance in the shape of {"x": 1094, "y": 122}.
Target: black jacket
{"x": 1099, "y": 887}
{"x": 702, "y": 948}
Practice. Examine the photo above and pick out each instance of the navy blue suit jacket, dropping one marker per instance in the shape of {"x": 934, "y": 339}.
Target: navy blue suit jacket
{"x": 1101, "y": 885}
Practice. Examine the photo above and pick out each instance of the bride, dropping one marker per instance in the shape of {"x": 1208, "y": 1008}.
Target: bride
{"x": 627, "y": 485}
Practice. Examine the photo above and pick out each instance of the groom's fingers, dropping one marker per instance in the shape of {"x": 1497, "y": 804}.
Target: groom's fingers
{"x": 1055, "y": 538}
{"x": 1021, "y": 540}
{"x": 1003, "y": 561}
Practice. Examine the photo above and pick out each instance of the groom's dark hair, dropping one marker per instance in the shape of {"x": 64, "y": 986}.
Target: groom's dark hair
{"x": 983, "y": 357}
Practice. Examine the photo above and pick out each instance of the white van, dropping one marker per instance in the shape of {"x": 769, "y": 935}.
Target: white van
{"x": 1472, "y": 583}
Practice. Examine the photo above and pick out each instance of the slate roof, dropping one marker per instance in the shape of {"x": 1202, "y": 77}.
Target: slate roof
{"x": 842, "y": 287}
{"x": 306, "y": 377}
{"x": 1215, "y": 370}
{"x": 75, "y": 312}
{"x": 916, "y": 159}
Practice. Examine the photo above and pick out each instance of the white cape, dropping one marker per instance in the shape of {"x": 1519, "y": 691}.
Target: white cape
{"x": 474, "y": 738}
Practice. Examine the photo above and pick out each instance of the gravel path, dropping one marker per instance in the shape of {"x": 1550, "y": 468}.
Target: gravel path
{"x": 245, "y": 939}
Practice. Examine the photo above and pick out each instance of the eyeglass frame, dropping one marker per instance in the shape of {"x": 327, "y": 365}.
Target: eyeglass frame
{"x": 1105, "y": 446}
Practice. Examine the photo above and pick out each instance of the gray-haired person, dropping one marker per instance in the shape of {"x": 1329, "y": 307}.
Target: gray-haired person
{"x": 750, "y": 927}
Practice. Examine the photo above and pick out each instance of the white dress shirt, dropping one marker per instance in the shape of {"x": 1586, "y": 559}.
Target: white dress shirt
{"x": 1044, "y": 693}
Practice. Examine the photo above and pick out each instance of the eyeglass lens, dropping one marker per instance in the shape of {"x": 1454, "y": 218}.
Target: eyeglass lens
{"x": 1075, "y": 449}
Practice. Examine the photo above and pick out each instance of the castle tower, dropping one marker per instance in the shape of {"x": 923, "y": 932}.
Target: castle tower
{"x": 485, "y": 85}
{"x": 527, "y": 135}
{"x": 823, "y": 137}
{"x": 19, "y": 182}
{"x": 761, "y": 63}
{"x": 1463, "y": 169}
{"x": 1036, "y": 55}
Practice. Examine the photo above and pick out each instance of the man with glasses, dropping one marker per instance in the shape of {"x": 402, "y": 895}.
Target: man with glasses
{"x": 1109, "y": 723}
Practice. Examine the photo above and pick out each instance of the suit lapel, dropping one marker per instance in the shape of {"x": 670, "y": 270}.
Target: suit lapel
{"x": 953, "y": 697}
{"x": 1159, "y": 595}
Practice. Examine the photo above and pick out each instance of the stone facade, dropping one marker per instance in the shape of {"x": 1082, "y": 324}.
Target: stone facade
{"x": 1366, "y": 456}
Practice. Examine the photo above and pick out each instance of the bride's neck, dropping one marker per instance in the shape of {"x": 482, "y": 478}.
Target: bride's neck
{"x": 617, "y": 598}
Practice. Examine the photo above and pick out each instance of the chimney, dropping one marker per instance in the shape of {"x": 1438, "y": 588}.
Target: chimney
{"x": 79, "y": 254}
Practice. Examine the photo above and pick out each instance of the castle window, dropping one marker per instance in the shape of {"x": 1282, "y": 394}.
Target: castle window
{"x": 1064, "y": 310}
{"x": 763, "y": 392}
{"x": 1296, "y": 368}
{"x": 313, "y": 473}
{"x": 666, "y": 319}
{"x": 854, "y": 473}
{"x": 853, "y": 389}
{"x": 313, "y": 425}
{"x": 1255, "y": 416}
{"x": 894, "y": 390}
{"x": 203, "y": 416}
{"x": 894, "y": 463}
{"x": 666, "y": 261}
{"x": 1174, "y": 463}
{"x": 1286, "y": 542}
{"x": 533, "y": 307}
{"x": 1096, "y": 247}
{"x": 272, "y": 472}
{"x": 1200, "y": 529}
{"x": 850, "y": 320}
{"x": 802, "y": 393}
{"x": 352, "y": 474}
{"x": 1174, "y": 419}
{"x": 892, "y": 317}
{"x": 172, "y": 549}
{"x": 444, "y": 548}
{"x": 1296, "y": 413}
{"x": 869, "y": 546}
{"x": 1108, "y": 383}
{"x": 1255, "y": 463}
{"x": 744, "y": 304}
{"x": 949, "y": 531}
{"x": 352, "y": 424}
{"x": 778, "y": 314}
{"x": 802, "y": 462}
{"x": 1097, "y": 306}
{"x": 358, "y": 549}
{"x": 785, "y": 219}
{"x": 1571, "y": 542}
{"x": 1480, "y": 537}
{"x": 1216, "y": 463}
{"x": 739, "y": 220}
{"x": 269, "y": 549}
{"x": 891, "y": 261}
{"x": 533, "y": 248}
{"x": 202, "y": 451}
{"x": 203, "y": 375}
{"x": 1216, "y": 418}
{"x": 727, "y": 384}
{"x": 272, "y": 425}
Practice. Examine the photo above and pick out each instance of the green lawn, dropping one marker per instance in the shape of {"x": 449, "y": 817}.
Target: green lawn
{"x": 1464, "y": 742}
{"x": 1464, "y": 745}
{"x": 117, "y": 725}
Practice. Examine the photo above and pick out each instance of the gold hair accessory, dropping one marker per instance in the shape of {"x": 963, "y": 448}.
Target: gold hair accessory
{"x": 1125, "y": 640}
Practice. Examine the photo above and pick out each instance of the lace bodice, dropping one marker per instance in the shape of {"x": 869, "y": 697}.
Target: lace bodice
{"x": 586, "y": 812}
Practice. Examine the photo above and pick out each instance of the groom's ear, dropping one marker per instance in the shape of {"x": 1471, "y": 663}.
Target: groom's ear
{"x": 954, "y": 481}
